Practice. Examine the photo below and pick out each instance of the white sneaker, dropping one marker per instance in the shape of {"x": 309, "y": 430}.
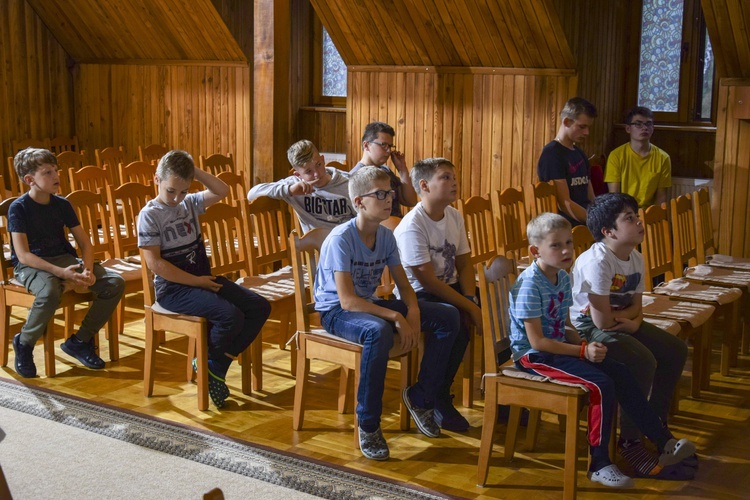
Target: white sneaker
{"x": 611, "y": 476}
{"x": 676, "y": 451}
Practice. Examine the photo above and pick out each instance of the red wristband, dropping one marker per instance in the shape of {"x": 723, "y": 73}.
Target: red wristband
{"x": 583, "y": 349}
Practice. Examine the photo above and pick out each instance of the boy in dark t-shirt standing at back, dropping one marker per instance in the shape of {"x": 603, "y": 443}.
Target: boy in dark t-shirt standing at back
{"x": 46, "y": 263}
{"x": 566, "y": 164}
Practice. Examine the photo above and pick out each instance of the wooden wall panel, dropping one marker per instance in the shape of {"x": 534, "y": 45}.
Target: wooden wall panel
{"x": 36, "y": 92}
{"x": 731, "y": 202}
{"x": 325, "y": 127}
{"x": 138, "y": 30}
{"x": 201, "y": 109}
{"x": 728, "y": 23}
{"x": 492, "y": 124}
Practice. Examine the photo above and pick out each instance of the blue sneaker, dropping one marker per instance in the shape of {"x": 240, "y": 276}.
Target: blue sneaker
{"x": 85, "y": 352}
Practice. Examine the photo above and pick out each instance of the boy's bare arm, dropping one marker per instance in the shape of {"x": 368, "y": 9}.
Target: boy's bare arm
{"x": 567, "y": 205}
{"x": 216, "y": 189}
{"x": 25, "y": 257}
{"x": 172, "y": 273}
{"x": 407, "y": 195}
{"x": 594, "y": 352}
{"x": 626, "y": 320}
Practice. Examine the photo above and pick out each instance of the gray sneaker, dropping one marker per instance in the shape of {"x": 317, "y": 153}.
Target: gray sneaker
{"x": 373, "y": 445}
{"x": 423, "y": 417}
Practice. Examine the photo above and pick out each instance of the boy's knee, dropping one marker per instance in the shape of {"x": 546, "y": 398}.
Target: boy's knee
{"x": 263, "y": 308}
{"x": 48, "y": 295}
{"x": 114, "y": 287}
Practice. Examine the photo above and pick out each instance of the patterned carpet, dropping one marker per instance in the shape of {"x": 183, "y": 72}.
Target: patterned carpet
{"x": 253, "y": 461}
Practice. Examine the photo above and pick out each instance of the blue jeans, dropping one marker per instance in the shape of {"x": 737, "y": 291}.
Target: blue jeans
{"x": 440, "y": 323}
{"x": 235, "y": 316}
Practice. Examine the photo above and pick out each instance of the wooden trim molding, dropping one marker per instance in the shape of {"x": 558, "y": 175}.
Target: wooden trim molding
{"x": 474, "y": 70}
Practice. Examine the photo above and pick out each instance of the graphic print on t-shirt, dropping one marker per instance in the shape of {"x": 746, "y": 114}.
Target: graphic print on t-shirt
{"x": 575, "y": 168}
{"x": 444, "y": 257}
{"x": 366, "y": 275}
{"x": 553, "y": 311}
{"x": 622, "y": 289}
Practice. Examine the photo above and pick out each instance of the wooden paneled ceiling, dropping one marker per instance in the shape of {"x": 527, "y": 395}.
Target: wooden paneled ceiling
{"x": 728, "y": 23}
{"x": 134, "y": 30}
{"x": 478, "y": 33}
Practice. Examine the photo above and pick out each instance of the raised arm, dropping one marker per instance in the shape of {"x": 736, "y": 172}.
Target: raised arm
{"x": 216, "y": 189}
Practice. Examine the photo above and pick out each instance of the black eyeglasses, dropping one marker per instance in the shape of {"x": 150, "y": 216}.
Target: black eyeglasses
{"x": 641, "y": 124}
{"x": 381, "y": 194}
{"x": 387, "y": 147}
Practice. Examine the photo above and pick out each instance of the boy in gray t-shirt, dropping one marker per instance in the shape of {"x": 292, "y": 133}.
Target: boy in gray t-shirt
{"x": 170, "y": 237}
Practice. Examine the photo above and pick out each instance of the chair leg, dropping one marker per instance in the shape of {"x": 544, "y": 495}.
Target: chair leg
{"x": 49, "y": 348}
{"x": 406, "y": 380}
{"x": 114, "y": 339}
{"x": 256, "y": 363}
{"x": 344, "y": 398}
{"x": 357, "y": 367}
{"x": 149, "y": 358}
{"x": 514, "y": 420}
{"x": 69, "y": 316}
{"x": 706, "y": 334}
{"x": 191, "y": 353}
{"x": 532, "y": 429}
{"x": 489, "y": 420}
{"x": 468, "y": 382}
{"x": 5, "y": 335}
{"x": 571, "y": 449}
{"x": 303, "y": 370}
{"x": 246, "y": 363}
{"x": 286, "y": 321}
{"x": 732, "y": 332}
{"x": 202, "y": 375}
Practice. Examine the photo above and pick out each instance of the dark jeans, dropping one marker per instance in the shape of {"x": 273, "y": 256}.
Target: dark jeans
{"x": 459, "y": 346}
{"x": 235, "y": 316}
{"x": 440, "y": 325}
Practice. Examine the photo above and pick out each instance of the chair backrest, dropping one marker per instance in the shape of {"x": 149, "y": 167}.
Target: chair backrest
{"x": 657, "y": 244}
{"x": 152, "y": 153}
{"x": 17, "y": 186}
{"x": 269, "y": 229}
{"x": 93, "y": 214}
{"x": 495, "y": 281}
{"x": 138, "y": 171}
{"x": 89, "y": 178}
{"x": 224, "y": 232}
{"x": 59, "y": 144}
{"x": 478, "y": 219}
{"x": 216, "y": 163}
{"x": 305, "y": 251}
{"x": 685, "y": 251}
{"x": 126, "y": 203}
{"x": 704, "y": 227}
{"x": 237, "y": 189}
{"x": 336, "y": 164}
{"x": 110, "y": 159}
{"x": 6, "y": 268}
{"x": 582, "y": 239}
{"x": 544, "y": 196}
{"x": 67, "y": 161}
{"x": 29, "y": 143}
{"x": 509, "y": 211}
{"x": 147, "y": 276}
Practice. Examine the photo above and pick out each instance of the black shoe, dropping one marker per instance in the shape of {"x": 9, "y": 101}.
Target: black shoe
{"x": 217, "y": 386}
{"x": 85, "y": 352}
{"x": 447, "y": 417}
{"x": 423, "y": 417}
{"x": 25, "y": 366}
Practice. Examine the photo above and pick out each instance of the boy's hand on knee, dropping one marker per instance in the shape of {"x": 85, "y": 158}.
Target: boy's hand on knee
{"x": 207, "y": 282}
{"x": 596, "y": 352}
{"x": 408, "y": 335}
{"x": 624, "y": 325}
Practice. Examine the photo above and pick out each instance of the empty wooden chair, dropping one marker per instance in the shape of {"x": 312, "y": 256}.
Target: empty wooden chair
{"x": 152, "y": 153}
{"x": 316, "y": 343}
{"x": 509, "y": 211}
{"x": 67, "y": 161}
{"x": 237, "y": 190}
{"x": 216, "y": 163}
{"x": 29, "y": 143}
{"x": 543, "y": 198}
{"x": 140, "y": 172}
{"x": 110, "y": 159}
{"x": 504, "y": 384}
{"x": 90, "y": 178}
{"x": 60, "y": 144}
{"x": 125, "y": 204}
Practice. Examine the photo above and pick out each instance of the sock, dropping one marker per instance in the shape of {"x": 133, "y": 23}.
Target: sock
{"x": 369, "y": 428}
{"x": 599, "y": 458}
{"x": 643, "y": 462}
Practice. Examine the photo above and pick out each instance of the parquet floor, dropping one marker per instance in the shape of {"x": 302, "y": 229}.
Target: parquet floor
{"x": 717, "y": 422}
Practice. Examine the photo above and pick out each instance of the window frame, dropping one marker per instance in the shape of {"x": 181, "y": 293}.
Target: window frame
{"x": 317, "y": 79}
{"x": 691, "y": 67}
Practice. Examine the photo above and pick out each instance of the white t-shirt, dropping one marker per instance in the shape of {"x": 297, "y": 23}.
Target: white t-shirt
{"x": 599, "y": 271}
{"x": 421, "y": 239}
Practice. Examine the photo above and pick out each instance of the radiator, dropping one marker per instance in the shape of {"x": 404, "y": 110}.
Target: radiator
{"x": 685, "y": 185}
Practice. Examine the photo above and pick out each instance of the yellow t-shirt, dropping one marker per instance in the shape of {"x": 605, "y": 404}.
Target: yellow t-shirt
{"x": 639, "y": 176}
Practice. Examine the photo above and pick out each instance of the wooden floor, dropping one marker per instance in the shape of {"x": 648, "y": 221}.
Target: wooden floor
{"x": 717, "y": 422}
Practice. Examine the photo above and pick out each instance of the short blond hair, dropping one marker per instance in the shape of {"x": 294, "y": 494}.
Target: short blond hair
{"x": 362, "y": 180}
{"x": 300, "y": 153}
{"x": 28, "y": 160}
{"x": 425, "y": 170}
{"x": 540, "y": 226}
{"x": 176, "y": 163}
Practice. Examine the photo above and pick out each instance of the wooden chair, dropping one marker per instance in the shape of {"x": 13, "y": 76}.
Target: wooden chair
{"x": 90, "y": 178}
{"x": 12, "y": 293}
{"x": 480, "y": 228}
{"x": 543, "y": 198}
{"x": 16, "y": 186}
{"x": 216, "y": 163}
{"x": 152, "y": 153}
{"x": 29, "y": 143}
{"x": 318, "y": 344}
{"x": 66, "y": 162}
{"x": 501, "y": 387}
{"x": 125, "y": 204}
{"x": 269, "y": 259}
{"x": 110, "y": 159}
{"x": 60, "y": 144}
{"x": 509, "y": 211}
{"x": 237, "y": 189}
{"x": 140, "y": 172}
{"x": 582, "y": 239}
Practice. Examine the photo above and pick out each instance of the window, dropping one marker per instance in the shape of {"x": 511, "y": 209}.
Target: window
{"x": 675, "y": 62}
{"x": 330, "y": 74}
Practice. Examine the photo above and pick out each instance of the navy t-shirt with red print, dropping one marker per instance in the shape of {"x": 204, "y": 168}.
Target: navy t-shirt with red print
{"x": 559, "y": 162}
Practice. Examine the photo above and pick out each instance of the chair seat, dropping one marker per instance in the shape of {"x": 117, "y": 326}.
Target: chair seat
{"x": 721, "y": 260}
{"x": 322, "y": 336}
{"x": 667, "y": 325}
{"x": 690, "y": 290}
{"x": 718, "y": 276}
{"x": 157, "y": 308}
{"x": 128, "y": 270}
{"x": 694, "y": 313}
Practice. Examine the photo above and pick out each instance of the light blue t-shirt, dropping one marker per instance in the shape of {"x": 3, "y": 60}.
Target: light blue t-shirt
{"x": 534, "y": 296}
{"x": 344, "y": 251}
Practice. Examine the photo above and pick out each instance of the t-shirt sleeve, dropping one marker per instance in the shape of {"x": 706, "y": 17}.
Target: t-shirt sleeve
{"x": 196, "y": 201}
{"x": 70, "y": 219}
{"x": 16, "y": 218}
{"x": 598, "y": 276}
{"x": 338, "y": 255}
{"x": 527, "y": 302}
{"x": 413, "y": 246}
{"x": 550, "y": 167}
{"x": 149, "y": 233}
{"x": 613, "y": 172}
{"x": 665, "y": 179}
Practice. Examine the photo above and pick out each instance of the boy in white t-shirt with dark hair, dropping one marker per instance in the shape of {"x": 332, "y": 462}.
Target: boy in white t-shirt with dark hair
{"x": 435, "y": 253}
